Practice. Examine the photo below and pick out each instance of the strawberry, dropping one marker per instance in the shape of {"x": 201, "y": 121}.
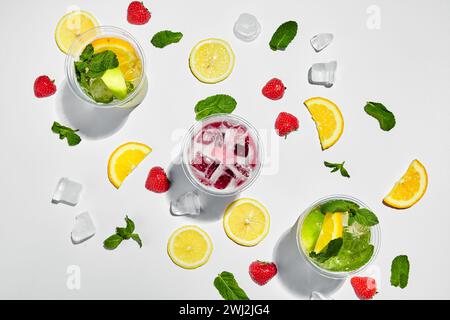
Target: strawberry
{"x": 261, "y": 272}
{"x": 157, "y": 180}
{"x": 44, "y": 87}
{"x": 285, "y": 124}
{"x": 137, "y": 13}
{"x": 365, "y": 287}
{"x": 274, "y": 89}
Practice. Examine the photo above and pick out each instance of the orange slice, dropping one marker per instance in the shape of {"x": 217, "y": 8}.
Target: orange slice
{"x": 410, "y": 188}
{"x": 129, "y": 62}
{"x": 124, "y": 159}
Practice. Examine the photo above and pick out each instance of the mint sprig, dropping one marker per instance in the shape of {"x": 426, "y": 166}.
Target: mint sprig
{"x": 65, "y": 132}
{"x": 338, "y": 205}
{"x": 163, "y": 38}
{"x": 219, "y": 103}
{"x": 400, "y": 271}
{"x": 283, "y": 36}
{"x": 121, "y": 234}
{"x": 89, "y": 70}
{"x": 385, "y": 117}
{"x": 331, "y": 250}
{"x": 337, "y": 166}
{"x": 364, "y": 217}
{"x": 228, "y": 287}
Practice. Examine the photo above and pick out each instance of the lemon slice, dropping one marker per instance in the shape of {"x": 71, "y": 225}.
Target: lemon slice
{"x": 246, "y": 222}
{"x": 189, "y": 247}
{"x": 410, "y": 188}
{"x": 71, "y": 26}
{"x": 328, "y": 119}
{"x": 124, "y": 159}
{"x": 332, "y": 228}
{"x": 211, "y": 60}
{"x": 129, "y": 62}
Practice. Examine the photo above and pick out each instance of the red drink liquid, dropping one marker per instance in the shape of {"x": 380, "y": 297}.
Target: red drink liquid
{"x": 223, "y": 154}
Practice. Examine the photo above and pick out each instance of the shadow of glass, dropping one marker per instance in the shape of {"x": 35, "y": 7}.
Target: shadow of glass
{"x": 92, "y": 123}
{"x": 212, "y": 207}
{"x": 296, "y": 274}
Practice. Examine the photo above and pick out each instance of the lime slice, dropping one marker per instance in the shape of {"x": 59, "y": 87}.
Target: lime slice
{"x": 311, "y": 229}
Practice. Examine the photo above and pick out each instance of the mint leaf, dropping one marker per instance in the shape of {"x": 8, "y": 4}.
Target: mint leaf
{"x": 66, "y": 132}
{"x": 136, "y": 238}
{"x": 330, "y": 251}
{"x": 130, "y": 225}
{"x": 219, "y": 103}
{"x": 400, "y": 271}
{"x": 364, "y": 217}
{"x": 100, "y": 92}
{"x": 339, "y": 205}
{"x": 112, "y": 242}
{"x": 101, "y": 62}
{"x": 166, "y": 37}
{"x": 123, "y": 234}
{"x": 336, "y": 167}
{"x": 283, "y": 35}
{"x": 87, "y": 53}
{"x": 385, "y": 117}
{"x": 228, "y": 287}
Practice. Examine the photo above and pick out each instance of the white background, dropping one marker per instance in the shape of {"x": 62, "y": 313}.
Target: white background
{"x": 405, "y": 64}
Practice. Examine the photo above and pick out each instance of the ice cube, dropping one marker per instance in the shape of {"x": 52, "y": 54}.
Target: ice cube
{"x": 83, "y": 229}
{"x": 67, "y": 191}
{"x": 188, "y": 204}
{"x": 209, "y": 136}
{"x": 321, "y": 41}
{"x": 318, "y": 296}
{"x": 247, "y": 27}
{"x": 323, "y": 73}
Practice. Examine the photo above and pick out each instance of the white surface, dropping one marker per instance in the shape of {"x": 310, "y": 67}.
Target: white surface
{"x": 399, "y": 65}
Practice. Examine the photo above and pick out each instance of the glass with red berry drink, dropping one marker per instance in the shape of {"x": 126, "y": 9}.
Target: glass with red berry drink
{"x": 222, "y": 154}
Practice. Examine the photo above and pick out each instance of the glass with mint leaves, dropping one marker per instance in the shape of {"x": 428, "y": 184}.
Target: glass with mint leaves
{"x": 338, "y": 235}
{"x": 105, "y": 67}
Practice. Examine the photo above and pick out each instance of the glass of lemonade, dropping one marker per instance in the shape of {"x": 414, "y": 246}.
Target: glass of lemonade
{"x": 105, "y": 67}
{"x": 329, "y": 219}
{"x": 222, "y": 154}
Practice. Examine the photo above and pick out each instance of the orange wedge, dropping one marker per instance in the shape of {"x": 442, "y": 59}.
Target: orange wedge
{"x": 328, "y": 119}
{"x": 124, "y": 159}
{"x": 410, "y": 188}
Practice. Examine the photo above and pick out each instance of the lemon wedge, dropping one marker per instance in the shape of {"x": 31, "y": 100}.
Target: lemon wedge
{"x": 332, "y": 228}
